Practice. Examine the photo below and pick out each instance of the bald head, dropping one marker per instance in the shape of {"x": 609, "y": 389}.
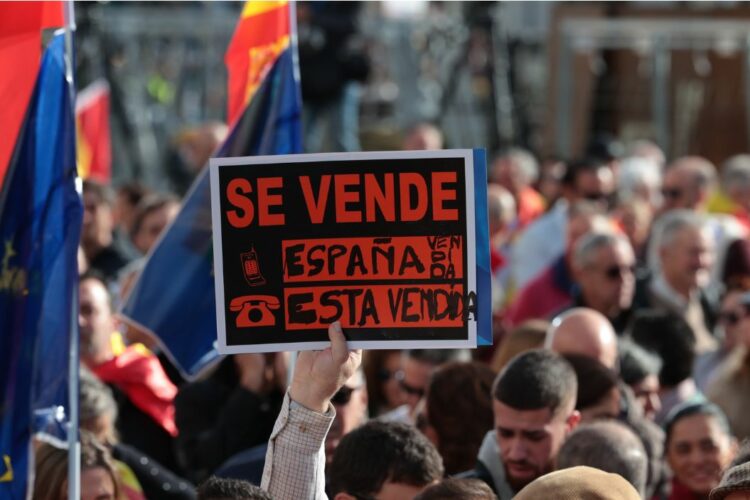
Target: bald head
{"x": 586, "y": 332}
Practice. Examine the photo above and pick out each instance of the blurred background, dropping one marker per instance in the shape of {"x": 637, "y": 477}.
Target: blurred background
{"x": 552, "y": 77}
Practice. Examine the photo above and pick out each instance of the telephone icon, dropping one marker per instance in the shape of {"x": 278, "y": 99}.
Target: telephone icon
{"x": 254, "y": 310}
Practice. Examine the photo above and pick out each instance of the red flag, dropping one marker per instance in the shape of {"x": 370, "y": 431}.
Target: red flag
{"x": 92, "y": 133}
{"x": 21, "y": 25}
{"x": 262, "y": 33}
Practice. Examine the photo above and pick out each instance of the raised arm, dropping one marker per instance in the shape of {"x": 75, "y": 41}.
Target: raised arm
{"x": 295, "y": 461}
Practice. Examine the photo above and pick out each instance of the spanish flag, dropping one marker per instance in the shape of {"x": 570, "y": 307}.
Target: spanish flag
{"x": 261, "y": 35}
{"x": 21, "y": 25}
{"x": 175, "y": 292}
{"x": 92, "y": 133}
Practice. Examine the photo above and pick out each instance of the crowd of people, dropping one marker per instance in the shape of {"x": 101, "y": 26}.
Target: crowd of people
{"x": 620, "y": 366}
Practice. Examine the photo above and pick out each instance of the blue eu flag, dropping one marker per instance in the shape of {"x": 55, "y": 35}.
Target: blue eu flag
{"x": 40, "y": 225}
{"x": 174, "y": 296}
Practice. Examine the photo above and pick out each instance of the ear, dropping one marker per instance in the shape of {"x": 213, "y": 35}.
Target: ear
{"x": 576, "y": 270}
{"x": 344, "y": 496}
{"x": 573, "y": 420}
{"x": 663, "y": 253}
{"x": 734, "y": 447}
{"x": 431, "y": 434}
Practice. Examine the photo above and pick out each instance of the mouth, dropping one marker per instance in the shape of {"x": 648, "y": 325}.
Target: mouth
{"x": 703, "y": 475}
{"x": 520, "y": 470}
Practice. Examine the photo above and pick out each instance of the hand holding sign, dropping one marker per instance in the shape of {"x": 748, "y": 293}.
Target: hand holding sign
{"x": 318, "y": 375}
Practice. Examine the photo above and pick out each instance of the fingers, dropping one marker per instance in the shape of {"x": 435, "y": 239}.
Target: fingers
{"x": 339, "y": 350}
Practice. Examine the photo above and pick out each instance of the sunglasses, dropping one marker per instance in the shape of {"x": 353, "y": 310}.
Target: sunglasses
{"x": 616, "y": 272}
{"x": 343, "y": 396}
{"x": 596, "y": 196}
{"x": 729, "y": 318}
{"x": 409, "y": 389}
{"x": 671, "y": 193}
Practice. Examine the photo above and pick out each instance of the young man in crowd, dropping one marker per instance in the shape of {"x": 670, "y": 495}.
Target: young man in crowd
{"x": 144, "y": 393}
{"x": 534, "y": 400}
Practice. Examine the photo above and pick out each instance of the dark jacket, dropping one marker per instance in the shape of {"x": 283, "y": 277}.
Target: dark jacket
{"x": 218, "y": 418}
{"x": 155, "y": 480}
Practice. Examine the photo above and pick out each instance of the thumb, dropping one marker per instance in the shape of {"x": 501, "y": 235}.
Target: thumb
{"x": 339, "y": 350}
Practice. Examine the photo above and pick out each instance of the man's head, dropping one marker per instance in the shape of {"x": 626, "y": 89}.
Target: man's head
{"x": 672, "y": 338}
{"x": 98, "y": 222}
{"x": 129, "y": 195}
{"x": 459, "y": 392}
{"x": 735, "y": 180}
{"x": 583, "y": 217}
{"x": 215, "y": 488}
{"x": 423, "y": 136}
{"x": 457, "y": 489}
{"x": 152, "y": 215}
{"x": 604, "y": 268}
{"x": 584, "y": 331}
{"x": 685, "y": 251}
{"x": 534, "y": 409}
{"x": 95, "y": 320}
{"x": 609, "y": 446}
{"x": 383, "y": 460}
{"x": 350, "y": 403}
{"x": 639, "y": 179}
{"x": 514, "y": 169}
{"x": 418, "y": 365}
{"x": 639, "y": 369}
{"x": 688, "y": 183}
{"x": 501, "y": 209}
{"x": 649, "y": 150}
{"x": 589, "y": 179}
{"x": 598, "y": 393}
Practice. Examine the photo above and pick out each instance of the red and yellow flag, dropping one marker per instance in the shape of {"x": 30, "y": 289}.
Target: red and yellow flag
{"x": 262, "y": 33}
{"x": 93, "y": 134}
{"x": 21, "y": 25}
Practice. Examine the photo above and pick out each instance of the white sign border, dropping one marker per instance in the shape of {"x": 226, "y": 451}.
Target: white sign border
{"x": 215, "y": 163}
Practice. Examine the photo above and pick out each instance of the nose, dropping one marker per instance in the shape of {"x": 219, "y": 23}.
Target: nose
{"x": 517, "y": 450}
{"x": 653, "y": 403}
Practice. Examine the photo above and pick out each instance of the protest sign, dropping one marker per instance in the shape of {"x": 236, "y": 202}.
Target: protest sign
{"x": 385, "y": 243}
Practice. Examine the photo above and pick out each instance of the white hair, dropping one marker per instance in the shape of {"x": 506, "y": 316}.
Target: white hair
{"x": 636, "y": 173}
{"x": 593, "y": 241}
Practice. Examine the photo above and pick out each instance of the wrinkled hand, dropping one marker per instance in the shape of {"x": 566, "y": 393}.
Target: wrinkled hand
{"x": 318, "y": 375}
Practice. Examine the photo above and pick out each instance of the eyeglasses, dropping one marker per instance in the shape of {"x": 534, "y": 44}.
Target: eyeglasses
{"x": 671, "y": 193}
{"x": 385, "y": 375}
{"x": 616, "y": 272}
{"x": 343, "y": 396}
{"x": 409, "y": 389}
{"x": 729, "y": 318}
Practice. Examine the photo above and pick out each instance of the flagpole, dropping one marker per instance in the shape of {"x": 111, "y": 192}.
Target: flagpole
{"x": 74, "y": 445}
{"x": 295, "y": 70}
